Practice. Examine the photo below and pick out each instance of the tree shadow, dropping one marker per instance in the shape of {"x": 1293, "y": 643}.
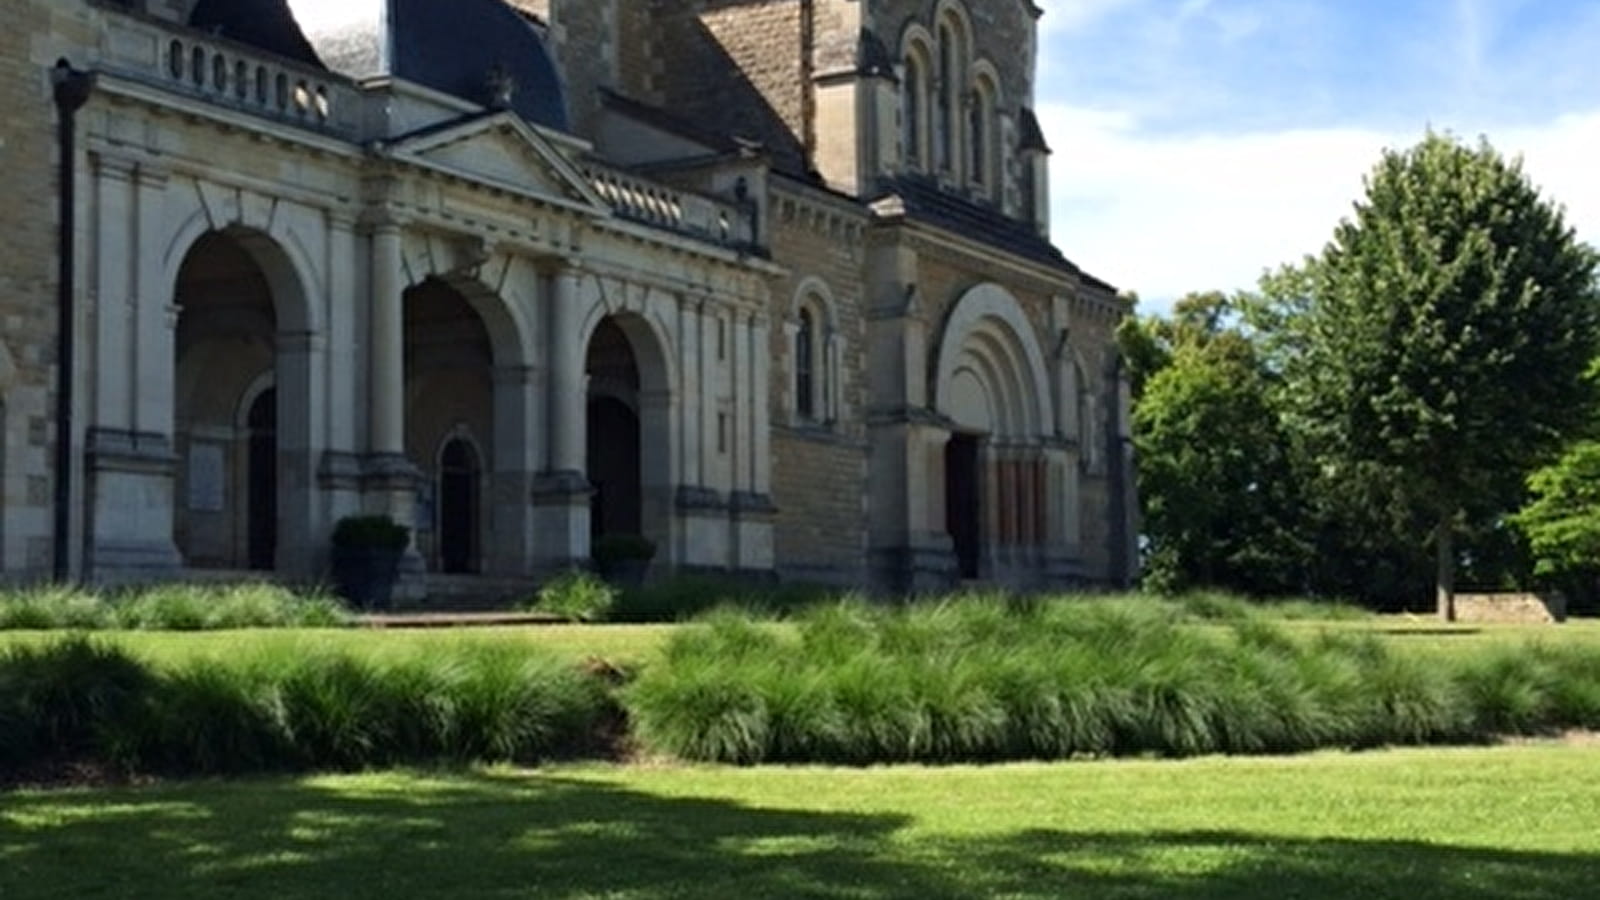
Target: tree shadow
{"x": 512, "y": 835}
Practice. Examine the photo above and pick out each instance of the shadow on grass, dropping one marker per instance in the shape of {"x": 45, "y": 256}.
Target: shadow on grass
{"x": 548, "y": 836}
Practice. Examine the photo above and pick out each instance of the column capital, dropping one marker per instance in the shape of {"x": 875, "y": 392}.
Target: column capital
{"x": 383, "y": 218}
{"x": 119, "y": 168}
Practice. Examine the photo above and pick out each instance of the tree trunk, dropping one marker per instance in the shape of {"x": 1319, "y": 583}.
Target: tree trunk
{"x": 1444, "y": 547}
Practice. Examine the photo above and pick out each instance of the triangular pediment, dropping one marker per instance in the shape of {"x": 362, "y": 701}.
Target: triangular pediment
{"x": 503, "y": 151}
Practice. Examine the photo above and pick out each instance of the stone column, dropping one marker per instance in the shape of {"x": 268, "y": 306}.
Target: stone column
{"x": 129, "y": 462}
{"x": 391, "y": 479}
{"x": 561, "y": 492}
{"x": 387, "y": 346}
{"x": 752, "y": 500}
{"x": 300, "y": 377}
{"x": 339, "y": 466}
{"x": 508, "y": 549}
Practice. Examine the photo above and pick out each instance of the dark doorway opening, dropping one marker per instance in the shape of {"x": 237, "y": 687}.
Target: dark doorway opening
{"x": 262, "y": 503}
{"x": 614, "y": 468}
{"x": 459, "y": 474}
{"x": 962, "y": 508}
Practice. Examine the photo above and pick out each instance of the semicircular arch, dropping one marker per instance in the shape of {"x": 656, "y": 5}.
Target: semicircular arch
{"x": 988, "y": 321}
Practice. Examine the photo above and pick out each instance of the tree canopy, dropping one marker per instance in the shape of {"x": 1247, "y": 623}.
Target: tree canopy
{"x": 1409, "y": 377}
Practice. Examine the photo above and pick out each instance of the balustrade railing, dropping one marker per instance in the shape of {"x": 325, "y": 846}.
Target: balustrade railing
{"x": 696, "y": 215}
{"x": 230, "y": 74}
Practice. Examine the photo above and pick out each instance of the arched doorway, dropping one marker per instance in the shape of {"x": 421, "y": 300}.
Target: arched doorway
{"x": 226, "y": 439}
{"x": 450, "y": 411}
{"x": 963, "y": 510}
{"x": 614, "y": 458}
{"x": 460, "y": 477}
{"x": 991, "y": 385}
{"x": 262, "y": 465}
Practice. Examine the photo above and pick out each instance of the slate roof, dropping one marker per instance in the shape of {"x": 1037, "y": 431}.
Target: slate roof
{"x": 448, "y": 46}
{"x": 1032, "y": 137}
{"x": 266, "y": 24}
{"x": 925, "y": 201}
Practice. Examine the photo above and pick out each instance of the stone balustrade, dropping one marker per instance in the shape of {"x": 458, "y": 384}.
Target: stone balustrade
{"x": 651, "y": 203}
{"x": 230, "y": 74}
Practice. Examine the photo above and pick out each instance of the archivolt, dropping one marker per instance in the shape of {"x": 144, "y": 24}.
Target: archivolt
{"x": 988, "y": 336}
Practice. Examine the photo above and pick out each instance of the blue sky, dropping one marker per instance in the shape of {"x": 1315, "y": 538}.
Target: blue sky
{"x": 1198, "y": 142}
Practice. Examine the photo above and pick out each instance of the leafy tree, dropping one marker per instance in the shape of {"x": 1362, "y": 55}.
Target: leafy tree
{"x": 1214, "y": 474}
{"x": 1439, "y": 349}
{"x": 1213, "y": 468}
{"x": 1562, "y": 521}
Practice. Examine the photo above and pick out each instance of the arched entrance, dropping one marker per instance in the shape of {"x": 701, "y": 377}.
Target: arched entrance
{"x": 262, "y": 465}
{"x": 614, "y": 460}
{"x": 991, "y": 385}
{"x": 226, "y": 424}
{"x": 963, "y": 509}
{"x": 460, "y": 477}
{"x": 449, "y": 365}
{"x": 629, "y": 435}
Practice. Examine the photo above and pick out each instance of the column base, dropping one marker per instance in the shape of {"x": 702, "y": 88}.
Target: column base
{"x": 752, "y": 516}
{"x": 131, "y": 482}
{"x": 924, "y": 565}
{"x": 561, "y": 520}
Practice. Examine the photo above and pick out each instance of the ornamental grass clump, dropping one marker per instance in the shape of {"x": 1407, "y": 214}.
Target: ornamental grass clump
{"x": 289, "y": 706}
{"x": 65, "y": 700}
{"x": 986, "y": 678}
{"x": 51, "y": 607}
{"x": 192, "y": 607}
{"x": 168, "y": 607}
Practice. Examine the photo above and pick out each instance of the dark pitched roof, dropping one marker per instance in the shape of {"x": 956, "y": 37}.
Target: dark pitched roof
{"x": 657, "y": 117}
{"x": 456, "y": 47}
{"x": 266, "y": 24}
{"x": 926, "y": 201}
{"x": 1032, "y": 137}
{"x": 872, "y": 56}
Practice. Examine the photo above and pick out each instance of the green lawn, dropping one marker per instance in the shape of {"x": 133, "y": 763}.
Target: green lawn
{"x": 1508, "y": 822}
{"x": 632, "y": 644}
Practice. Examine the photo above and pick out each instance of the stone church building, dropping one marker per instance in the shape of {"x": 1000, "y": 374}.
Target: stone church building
{"x": 768, "y": 282}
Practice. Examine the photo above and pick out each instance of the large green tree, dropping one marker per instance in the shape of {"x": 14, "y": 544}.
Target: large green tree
{"x": 1440, "y": 349}
{"x": 1214, "y": 474}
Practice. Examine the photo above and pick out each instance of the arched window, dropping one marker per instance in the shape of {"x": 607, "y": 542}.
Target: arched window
{"x": 805, "y": 368}
{"x": 912, "y": 98}
{"x": 982, "y": 133}
{"x": 944, "y": 124}
{"x": 976, "y": 135}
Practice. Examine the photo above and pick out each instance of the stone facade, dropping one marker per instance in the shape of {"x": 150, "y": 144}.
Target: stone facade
{"x": 760, "y": 280}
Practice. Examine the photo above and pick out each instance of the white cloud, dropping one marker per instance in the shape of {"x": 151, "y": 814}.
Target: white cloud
{"x": 1165, "y": 215}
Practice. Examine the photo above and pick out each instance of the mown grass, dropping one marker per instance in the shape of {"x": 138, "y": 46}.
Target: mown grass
{"x": 1432, "y": 825}
{"x": 981, "y": 679}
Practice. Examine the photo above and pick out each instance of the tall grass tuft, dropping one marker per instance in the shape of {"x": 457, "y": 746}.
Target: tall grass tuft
{"x": 985, "y": 677}
{"x": 292, "y": 707}
{"x": 63, "y": 701}
{"x": 171, "y": 607}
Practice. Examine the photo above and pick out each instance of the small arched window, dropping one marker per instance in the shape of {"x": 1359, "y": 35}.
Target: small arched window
{"x": 976, "y": 134}
{"x": 983, "y": 134}
{"x": 944, "y": 124}
{"x": 911, "y": 118}
{"x": 805, "y": 368}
